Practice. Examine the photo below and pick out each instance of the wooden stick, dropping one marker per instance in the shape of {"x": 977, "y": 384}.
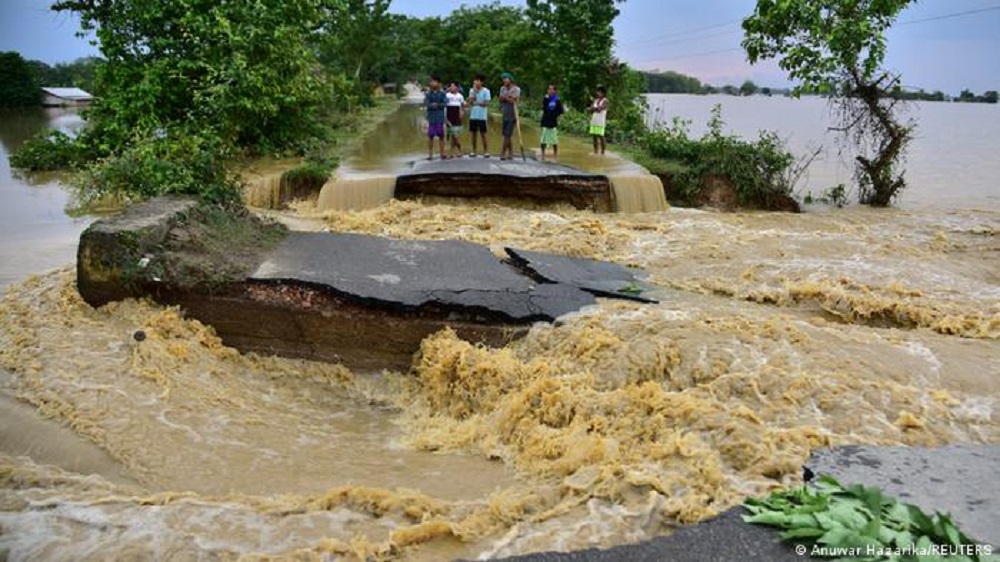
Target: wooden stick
{"x": 520, "y": 139}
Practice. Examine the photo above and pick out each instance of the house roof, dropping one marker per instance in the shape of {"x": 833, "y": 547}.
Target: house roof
{"x": 75, "y": 94}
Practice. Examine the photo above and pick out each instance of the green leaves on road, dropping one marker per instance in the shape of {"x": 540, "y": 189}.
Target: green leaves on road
{"x": 861, "y": 518}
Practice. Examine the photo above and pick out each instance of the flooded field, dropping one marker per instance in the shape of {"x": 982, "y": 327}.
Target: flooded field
{"x": 774, "y": 334}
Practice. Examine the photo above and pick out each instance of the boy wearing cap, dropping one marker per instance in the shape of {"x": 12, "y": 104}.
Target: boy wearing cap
{"x": 510, "y": 94}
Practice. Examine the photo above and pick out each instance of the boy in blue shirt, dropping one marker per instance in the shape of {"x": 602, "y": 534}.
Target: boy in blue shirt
{"x": 479, "y": 99}
{"x": 435, "y": 102}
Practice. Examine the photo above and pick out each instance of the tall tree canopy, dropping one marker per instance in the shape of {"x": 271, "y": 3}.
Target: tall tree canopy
{"x": 357, "y": 38}
{"x": 242, "y": 69}
{"x": 837, "y": 47}
{"x": 19, "y": 85}
{"x": 577, "y": 38}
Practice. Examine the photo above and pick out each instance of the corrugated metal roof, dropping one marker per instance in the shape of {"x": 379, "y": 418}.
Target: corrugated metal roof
{"x": 68, "y": 93}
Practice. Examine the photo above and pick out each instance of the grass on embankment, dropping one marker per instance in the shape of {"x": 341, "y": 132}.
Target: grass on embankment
{"x": 208, "y": 247}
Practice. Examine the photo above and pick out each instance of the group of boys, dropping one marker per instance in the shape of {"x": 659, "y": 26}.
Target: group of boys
{"x": 445, "y": 111}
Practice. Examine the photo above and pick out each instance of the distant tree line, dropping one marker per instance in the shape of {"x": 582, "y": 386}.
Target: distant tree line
{"x": 987, "y": 97}
{"x": 21, "y": 80}
{"x": 966, "y": 96}
{"x": 670, "y": 82}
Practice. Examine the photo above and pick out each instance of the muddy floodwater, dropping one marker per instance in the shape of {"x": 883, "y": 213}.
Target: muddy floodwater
{"x": 775, "y": 334}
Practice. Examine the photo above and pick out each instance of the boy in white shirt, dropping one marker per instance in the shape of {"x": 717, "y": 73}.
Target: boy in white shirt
{"x": 598, "y": 120}
{"x": 453, "y": 116}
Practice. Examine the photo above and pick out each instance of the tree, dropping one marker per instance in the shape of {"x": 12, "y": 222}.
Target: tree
{"x": 990, "y": 97}
{"x": 356, "y": 39}
{"x": 578, "y": 37}
{"x": 400, "y": 56}
{"x": 241, "y": 71}
{"x": 486, "y": 39}
{"x": 489, "y": 39}
{"x": 748, "y": 88}
{"x": 18, "y": 83}
{"x": 837, "y": 47}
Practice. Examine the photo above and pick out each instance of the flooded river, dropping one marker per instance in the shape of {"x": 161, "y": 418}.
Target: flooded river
{"x": 950, "y": 163}
{"x": 775, "y": 334}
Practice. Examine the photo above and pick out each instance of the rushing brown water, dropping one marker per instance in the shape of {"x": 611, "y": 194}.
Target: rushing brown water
{"x": 775, "y": 334}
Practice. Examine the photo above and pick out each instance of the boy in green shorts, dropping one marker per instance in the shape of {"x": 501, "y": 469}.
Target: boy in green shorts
{"x": 599, "y": 119}
{"x": 552, "y": 108}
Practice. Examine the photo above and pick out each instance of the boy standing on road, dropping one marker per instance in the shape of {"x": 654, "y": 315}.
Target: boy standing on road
{"x": 435, "y": 101}
{"x": 453, "y": 115}
{"x": 510, "y": 94}
{"x": 479, "y": 99}
{"x": 599, "y": 119}
{"x": 552, "y": 108}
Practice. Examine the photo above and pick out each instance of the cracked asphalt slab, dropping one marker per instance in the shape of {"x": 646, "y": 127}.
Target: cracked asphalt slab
{"x": 449, "y": 274}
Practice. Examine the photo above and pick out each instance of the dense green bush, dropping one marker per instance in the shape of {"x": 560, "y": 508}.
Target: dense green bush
{"x": 172, "y": 162}
{"x": 759, "y": 170}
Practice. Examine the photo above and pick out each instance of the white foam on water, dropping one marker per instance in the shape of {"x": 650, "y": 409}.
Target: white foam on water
{"x": 920, "y": 350}
{"x": 975, "y": 409}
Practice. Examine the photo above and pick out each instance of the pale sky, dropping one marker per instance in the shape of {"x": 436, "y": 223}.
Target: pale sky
{"x": 933, "y": 45}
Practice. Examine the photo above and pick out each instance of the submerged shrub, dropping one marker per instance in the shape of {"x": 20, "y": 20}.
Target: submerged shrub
{"x": 48, "y": 150}
{"x": 759, "y": 169}
{"x": 310, "y": 173}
